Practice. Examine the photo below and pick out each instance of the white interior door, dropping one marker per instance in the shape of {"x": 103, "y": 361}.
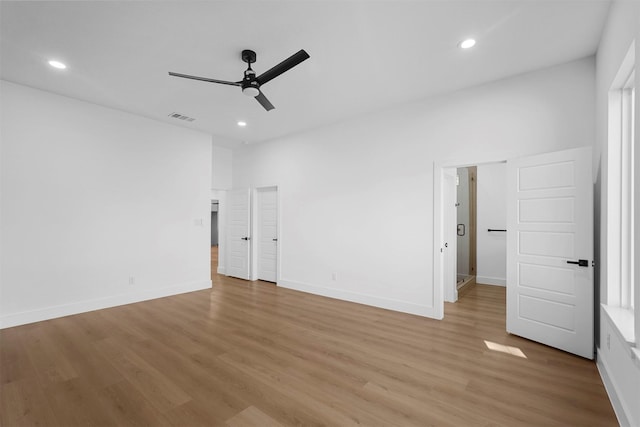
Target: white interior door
{"x": 267, "y": 234}
{"x": 238, "y": 237}
{"x": 449, "y": 246}
{"x": 550, "y": 231}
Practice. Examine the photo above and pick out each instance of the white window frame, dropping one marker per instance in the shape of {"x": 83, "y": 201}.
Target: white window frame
{"x": 626, "y": 179}
{"x": 622, "y": 204}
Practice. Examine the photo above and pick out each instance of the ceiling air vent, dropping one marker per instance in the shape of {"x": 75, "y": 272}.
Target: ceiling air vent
{"x": 181, "y": 117}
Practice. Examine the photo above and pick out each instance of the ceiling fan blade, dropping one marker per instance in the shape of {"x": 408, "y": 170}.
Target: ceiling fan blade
{"x": 285, "y": 65}
{"x": 264, "y": 102}
{"x": 204, "y": 79}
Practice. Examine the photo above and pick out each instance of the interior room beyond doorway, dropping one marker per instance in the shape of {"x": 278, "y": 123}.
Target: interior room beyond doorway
{"x": 215, "y": 208}
{"x": 476, "y": 235}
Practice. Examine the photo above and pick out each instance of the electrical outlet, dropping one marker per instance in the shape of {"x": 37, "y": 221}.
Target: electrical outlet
{"x": 198, "y": 222}
{"x": 334, "y": 276}
{"x": 132, "y": 280}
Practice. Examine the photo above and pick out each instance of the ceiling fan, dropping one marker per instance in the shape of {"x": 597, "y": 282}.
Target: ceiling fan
{"x": 250, "y": 84}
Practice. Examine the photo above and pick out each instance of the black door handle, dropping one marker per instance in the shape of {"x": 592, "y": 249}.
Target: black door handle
{"x": 275, "y": 240}
{"x": 245, "y": 238}
{"x": 580, "y": 262}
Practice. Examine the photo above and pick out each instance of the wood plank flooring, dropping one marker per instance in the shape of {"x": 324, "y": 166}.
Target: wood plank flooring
{"x": 253, "y": 354}
{"x": 214, "y": 262}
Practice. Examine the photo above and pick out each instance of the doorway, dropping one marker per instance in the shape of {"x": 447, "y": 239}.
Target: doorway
{"x": 473, "y": 215}
{"x": 215, "y": 237}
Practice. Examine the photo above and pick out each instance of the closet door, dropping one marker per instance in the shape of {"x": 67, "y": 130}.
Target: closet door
{"x": 238, "y": 234}
{"x": 268, "y": 234}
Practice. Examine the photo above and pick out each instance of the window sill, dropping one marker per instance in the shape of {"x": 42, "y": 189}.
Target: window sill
{"x": 623, "y": 321}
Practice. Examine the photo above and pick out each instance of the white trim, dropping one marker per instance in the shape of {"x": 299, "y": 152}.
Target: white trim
{"x": 438, "y": 280}
{"x": 495, "y": 281}
{"x": 622, "y": 320}
{"x": 610, "y": 388}
{"x": 221, "y": 270}
{"x": 253, "y": 232}
{"x": 22, "y": 318}
{"x": 614, "y": 226}
{"x": 389, "y": 304}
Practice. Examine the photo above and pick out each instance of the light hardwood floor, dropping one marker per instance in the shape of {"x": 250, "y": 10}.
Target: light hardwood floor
{"x": 214, "y": 262}
{"x": 250, "y": 353}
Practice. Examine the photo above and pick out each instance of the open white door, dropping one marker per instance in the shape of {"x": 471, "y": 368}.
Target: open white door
{"x": 238, "y": 237}
{"x": 550, "y": 250}
{"x": 449, "y": 246}
{"x": 267, "y": 234}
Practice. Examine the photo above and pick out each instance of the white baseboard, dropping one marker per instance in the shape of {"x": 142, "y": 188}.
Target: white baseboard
{"x": 389, "y": 304}
{"x": 486, "y": 280}
{"x": 221, "y": 270}
{"x": 22, "y": 318}
{"x": 610, "y": 387}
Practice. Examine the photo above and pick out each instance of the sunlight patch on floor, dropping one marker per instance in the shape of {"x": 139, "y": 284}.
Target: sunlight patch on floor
{"x": 514, "y": 351}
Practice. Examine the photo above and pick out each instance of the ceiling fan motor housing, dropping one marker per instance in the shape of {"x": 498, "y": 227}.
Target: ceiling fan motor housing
{"x": 250, "y": 85}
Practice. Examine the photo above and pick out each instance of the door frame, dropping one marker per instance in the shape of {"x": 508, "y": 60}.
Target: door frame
{"x": 255, "y": 218}
{"x": 220, "y": 196}
{"x": 439, "y": 234}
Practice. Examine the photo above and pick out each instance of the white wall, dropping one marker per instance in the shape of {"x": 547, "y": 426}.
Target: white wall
{"x": 492, "y": 213}
{"x": 619, "y": 369}
{"x": 462, "y": 217}
{"x": 92, "y": 197}
{"x": 339, "y": 183}
{"x": 221, "y": 161}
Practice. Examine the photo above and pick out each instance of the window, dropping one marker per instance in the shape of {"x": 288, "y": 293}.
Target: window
{"x": 621, "y": 276}
{"x": 627, "y": 98}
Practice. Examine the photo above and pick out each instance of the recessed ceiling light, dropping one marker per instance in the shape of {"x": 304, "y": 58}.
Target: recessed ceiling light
{"x": 468, "y": 43}
{"x": 57, "y": 64}
{"x": 242, "y": 124}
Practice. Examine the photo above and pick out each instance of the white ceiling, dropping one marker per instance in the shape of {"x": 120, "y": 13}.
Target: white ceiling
{"x": 365, "y": 55}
